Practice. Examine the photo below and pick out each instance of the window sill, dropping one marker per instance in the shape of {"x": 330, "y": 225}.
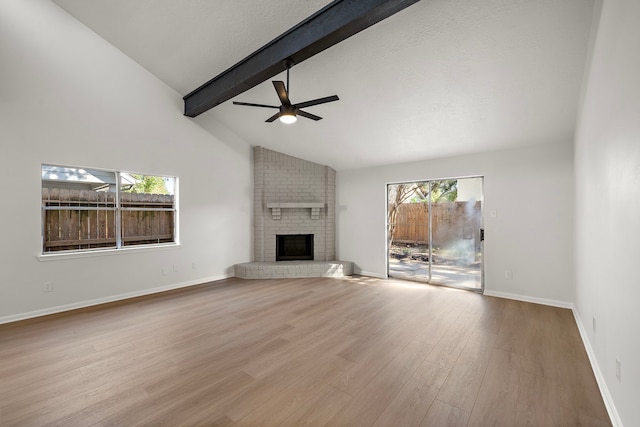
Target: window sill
{"x": 55, "y": 256}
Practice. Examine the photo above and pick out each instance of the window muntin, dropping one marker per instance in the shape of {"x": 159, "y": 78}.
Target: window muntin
{"x": 85, "y": 209}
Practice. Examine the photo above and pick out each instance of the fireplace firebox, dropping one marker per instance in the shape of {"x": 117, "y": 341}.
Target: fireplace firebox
{"x": 294, "y": 247}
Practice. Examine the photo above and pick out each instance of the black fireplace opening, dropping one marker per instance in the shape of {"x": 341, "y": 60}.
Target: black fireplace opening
{"x": 294, "y": 247}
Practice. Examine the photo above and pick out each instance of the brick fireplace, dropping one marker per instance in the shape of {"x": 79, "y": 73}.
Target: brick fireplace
{"x": 292, "y": 197}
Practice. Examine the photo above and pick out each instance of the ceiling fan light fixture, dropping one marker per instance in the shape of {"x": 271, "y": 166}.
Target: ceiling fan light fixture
{"x": 288, "y": 118}
{"x": 288, "y": 114}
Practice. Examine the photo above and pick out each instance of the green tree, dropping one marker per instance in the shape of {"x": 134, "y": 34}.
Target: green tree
{"x": 148, "y": 184}
{"x": 444, "y": 191}
{"x": 441, "y": 191}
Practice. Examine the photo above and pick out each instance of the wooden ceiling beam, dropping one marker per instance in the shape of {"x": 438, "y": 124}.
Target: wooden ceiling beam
{"x": 334, "y": 23}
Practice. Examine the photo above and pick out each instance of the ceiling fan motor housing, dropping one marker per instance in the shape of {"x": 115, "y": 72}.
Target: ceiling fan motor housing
{"x": 288, "y": 110}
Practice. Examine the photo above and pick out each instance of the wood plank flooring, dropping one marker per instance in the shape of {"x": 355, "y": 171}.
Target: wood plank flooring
{"x": 300, "y": 352}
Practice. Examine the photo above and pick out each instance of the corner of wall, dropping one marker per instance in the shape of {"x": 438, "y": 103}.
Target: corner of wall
{"x": 602, "y": 384}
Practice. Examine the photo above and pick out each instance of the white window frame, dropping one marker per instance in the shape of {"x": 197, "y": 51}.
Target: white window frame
{"x": 118, "y": 209}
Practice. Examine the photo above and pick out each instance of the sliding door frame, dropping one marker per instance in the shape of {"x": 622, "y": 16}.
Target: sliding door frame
{"x": 429, "y": 281}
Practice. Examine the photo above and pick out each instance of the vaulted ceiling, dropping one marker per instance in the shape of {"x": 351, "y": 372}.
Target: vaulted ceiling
{"x": 440, "y": 78}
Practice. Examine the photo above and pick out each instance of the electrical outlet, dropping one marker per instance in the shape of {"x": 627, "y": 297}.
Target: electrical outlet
{"x": 618, "y": 370}
{"x": 165, "y": 271}
{"x": 47, "y": 287}
{"x": 508, "y": 274}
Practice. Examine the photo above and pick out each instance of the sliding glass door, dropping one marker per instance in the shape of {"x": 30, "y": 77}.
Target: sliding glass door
{"x": 434, "y": 231}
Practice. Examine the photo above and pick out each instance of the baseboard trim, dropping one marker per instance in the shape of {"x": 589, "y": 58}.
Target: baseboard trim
{"x": 105, "y": 300}
{"x": 602, "y": 385}
{"x": 525, "y": 298}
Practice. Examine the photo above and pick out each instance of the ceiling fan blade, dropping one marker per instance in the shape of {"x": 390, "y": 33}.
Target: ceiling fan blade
{"x": 309, "y": 115}
{"x": 273, "y": 118}
{"x": 282, "y": 92}
{"x": 250, "y": 104}
{"x": 317, "y": 101}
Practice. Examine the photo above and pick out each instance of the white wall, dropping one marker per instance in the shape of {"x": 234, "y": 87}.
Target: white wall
{"x": 531, "y": 191}
{"x": 607, "y": 159}
{"x": 68, "y": 97}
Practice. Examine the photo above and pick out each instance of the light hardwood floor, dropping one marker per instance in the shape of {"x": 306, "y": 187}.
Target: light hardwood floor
{"x": 334, "y": 352}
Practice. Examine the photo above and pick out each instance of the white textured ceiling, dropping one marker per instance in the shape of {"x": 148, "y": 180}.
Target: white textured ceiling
{"x": 440, "y": 78}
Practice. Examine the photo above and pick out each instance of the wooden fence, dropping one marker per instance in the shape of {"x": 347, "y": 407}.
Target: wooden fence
{"x": 83, "y": 219}
{"x": 450, "y": 221}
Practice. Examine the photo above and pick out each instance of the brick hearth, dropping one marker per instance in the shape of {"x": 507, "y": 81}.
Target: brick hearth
{"x": 293, "y": 269}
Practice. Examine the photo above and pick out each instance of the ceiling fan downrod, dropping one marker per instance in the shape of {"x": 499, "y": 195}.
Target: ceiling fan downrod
{"x": 288, "y": 63}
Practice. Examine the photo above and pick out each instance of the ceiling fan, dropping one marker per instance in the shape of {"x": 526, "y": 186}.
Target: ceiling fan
{"x": 288, "y": 112}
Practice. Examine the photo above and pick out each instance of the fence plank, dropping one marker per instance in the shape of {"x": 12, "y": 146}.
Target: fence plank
{"x": 81, "y": 228}
{"x": 450, "y": 221}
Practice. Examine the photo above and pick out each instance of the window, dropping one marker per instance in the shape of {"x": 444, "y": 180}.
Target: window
{"x": 85, "y": 209}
